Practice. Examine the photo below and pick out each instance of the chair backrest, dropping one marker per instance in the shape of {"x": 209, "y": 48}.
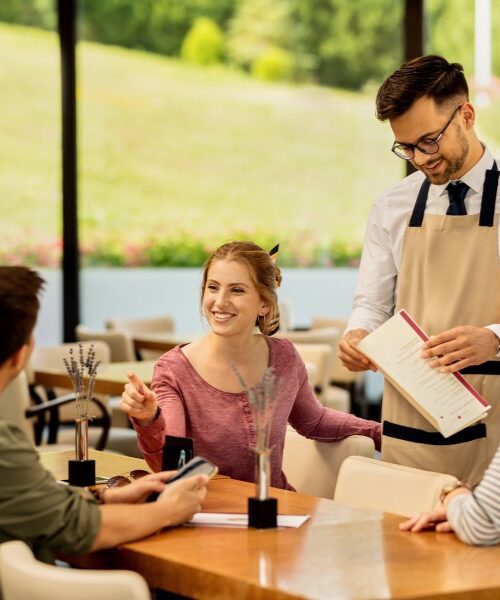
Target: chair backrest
{"x": 51, "y": 357}
{"x": 321, "y": 356}
{"x": 14, "y": 401}
{"x": 22, "y": 576}
{"x": 162, "y": 324}
{"x": 338, "y": 374}
{"x": 119, "y": 342}
{"x": 312, "y": 467}
{"x": 369, "y": 483}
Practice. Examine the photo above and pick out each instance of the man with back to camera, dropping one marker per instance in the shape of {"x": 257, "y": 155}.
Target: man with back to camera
{"x": 51, "y": 517}
{"x": 432, "y": 247}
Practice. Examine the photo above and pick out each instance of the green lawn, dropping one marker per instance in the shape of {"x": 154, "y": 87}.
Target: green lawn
{"x": 169, "y": 150}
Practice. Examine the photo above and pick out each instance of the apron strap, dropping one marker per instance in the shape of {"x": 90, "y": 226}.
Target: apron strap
{"x": 433, "y": 438}
{"x": 491, "y": 367}
{"x": 417, "y": 216}
{"x": 487, "y": 214}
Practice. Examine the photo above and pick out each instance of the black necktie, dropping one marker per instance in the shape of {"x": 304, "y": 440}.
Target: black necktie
{"x": 457, "y": 192}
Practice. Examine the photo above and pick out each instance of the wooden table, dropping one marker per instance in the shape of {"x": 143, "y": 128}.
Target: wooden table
{"x": 110, "y": 377}
{"x": 342, "y": 552}
{"x": 163, "y": 342}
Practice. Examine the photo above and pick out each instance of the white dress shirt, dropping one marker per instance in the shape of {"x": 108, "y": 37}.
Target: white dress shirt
{"x": 375, "y": 296}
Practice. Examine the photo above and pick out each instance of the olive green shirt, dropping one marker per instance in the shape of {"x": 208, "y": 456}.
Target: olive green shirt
{"x": 48, "y": 516}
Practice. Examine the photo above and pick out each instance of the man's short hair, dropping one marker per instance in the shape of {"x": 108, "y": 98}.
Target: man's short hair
{"x": 19, "y": 304}
{"x": 431, "y": 76}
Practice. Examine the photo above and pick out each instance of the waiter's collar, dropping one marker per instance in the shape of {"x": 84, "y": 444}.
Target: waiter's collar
{"x": 474, "y": 178}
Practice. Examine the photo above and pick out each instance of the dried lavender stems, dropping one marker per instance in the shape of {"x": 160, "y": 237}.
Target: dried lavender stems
{"x": 82, "y": 371}
{"x": 262, "y": 400}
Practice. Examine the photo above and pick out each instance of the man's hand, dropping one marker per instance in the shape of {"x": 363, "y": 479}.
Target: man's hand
{"x": 138, "y": 490}
{"x": 351, "y": 358}
{"x": 182, "y": 498}
{"x": 138, "y": 400}
{"x": 460, "y": 347}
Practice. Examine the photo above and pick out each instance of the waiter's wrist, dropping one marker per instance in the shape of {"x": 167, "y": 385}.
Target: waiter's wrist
{"x": 495, "y": 329}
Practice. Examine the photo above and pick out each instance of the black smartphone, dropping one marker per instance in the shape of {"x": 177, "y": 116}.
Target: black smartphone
{"x": 196, "y": 466}
{"x": 177, "y": 451}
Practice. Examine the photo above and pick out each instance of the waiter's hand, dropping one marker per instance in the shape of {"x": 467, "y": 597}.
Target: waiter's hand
{"x": 460, "y": 347}
{"x": 351, "y": 358}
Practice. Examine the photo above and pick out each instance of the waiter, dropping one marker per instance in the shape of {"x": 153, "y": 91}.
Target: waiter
{"x": 432, "y": 246}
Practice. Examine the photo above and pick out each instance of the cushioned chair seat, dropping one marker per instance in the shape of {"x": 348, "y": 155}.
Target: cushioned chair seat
{"x": 397, "y": 489}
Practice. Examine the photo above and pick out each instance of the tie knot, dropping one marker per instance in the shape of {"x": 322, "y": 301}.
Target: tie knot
{"x": 456, "y": 193}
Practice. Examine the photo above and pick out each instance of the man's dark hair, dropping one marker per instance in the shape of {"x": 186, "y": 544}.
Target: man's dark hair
{"x": 19, "y": 304}
{"x": 431, "y": 76}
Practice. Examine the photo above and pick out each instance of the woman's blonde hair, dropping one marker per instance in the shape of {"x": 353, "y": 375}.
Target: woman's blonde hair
{"x": 265, "y": 274}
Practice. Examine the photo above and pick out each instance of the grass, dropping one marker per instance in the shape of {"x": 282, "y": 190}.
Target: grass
{"x": 168, "y": 150}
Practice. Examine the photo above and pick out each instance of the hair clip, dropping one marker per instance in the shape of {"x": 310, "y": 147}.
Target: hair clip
{"x": 274, "y": 252}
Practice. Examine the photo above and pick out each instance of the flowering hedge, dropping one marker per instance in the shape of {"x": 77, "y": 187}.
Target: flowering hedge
{"x": 302, "y": 251}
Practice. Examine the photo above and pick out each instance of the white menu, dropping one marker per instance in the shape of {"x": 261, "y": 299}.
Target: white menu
{"x": 446, "y": 400}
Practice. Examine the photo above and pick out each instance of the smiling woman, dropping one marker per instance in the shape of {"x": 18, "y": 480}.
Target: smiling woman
{"x": 196, "y": 393}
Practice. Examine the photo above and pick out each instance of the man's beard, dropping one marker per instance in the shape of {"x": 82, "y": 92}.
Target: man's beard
{"x": 454, "y": 165}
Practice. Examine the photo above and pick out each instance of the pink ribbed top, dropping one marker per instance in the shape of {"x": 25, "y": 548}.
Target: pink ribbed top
{"x": 221, "y": 422}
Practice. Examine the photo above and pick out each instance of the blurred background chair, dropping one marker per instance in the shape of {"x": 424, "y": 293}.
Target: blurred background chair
{"x": 121, "y": 438}
{"x": 340, "y": 377}
{"x": 121, "y": 349}
{"x": 160, "y": 324}
{"x": 330, "y": 395}
{"x": 23, "y": 577}
{"x": 40, "y": 421}
{"x": 312, "y": 467}
{"x": 321, "y": 356}
{"x": 369, "y": 483}
{"x": 120, "y": 343}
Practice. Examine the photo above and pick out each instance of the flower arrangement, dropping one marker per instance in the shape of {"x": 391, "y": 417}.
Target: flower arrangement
{"x": 82, "y": 371}
{"x": 262, "y": 400}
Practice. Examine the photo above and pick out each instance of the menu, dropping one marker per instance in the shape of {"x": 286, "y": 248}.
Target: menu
{"x": 446, "y": 400}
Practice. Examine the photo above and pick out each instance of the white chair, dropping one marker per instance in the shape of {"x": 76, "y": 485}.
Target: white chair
{"x": 51, "y": 357}
{"x": 340, "y": 377}
{"x": 161, "y": 324}
{"x": 321, "y": 356}
{"x": 121, "y": 438}
{"x": 16, "y": 408}
{"x": 120, "y": 343}
{"x": 23, "y": 577}
{"x": 369, "y": 483}
{"x": 312, "y": 467}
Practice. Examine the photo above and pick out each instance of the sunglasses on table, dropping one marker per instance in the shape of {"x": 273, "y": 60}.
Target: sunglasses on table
{"x": 124, "y": 478}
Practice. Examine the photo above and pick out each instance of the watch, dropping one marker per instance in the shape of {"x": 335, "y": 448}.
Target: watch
{"x": 450, "y": 487}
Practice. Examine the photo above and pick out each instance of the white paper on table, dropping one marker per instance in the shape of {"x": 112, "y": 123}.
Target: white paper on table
{"x": 241, "y": 520}
{"x": 447, "y": 400}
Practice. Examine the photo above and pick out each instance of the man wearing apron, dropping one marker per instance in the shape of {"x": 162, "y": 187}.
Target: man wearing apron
{"x": 432, "y": 247}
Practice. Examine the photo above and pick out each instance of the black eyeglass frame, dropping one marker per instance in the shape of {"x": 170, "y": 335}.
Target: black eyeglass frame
{"x": 410, "y": 148}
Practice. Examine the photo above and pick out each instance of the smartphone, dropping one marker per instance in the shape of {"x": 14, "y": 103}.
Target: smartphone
{"x": 177, "y": 451}
{"x": 196, "y": 466}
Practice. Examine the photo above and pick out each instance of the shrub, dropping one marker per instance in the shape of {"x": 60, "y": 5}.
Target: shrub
{"x": 275, "y": 64}
{"x": 204, "y": 43}
{"x": 184, "y": 251}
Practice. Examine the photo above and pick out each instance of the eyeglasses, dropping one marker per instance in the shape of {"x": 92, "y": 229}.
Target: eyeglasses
{"x": 125, "y": 479}
{"x": 426, "y": 145}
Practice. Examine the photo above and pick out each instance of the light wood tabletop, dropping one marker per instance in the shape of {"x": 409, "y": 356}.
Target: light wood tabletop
{"x": 162, "y": 341}
{"x": 341, "y": 552}
{"x": 110, "y": 378}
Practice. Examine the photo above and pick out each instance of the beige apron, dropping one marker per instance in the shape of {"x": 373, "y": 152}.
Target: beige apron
{"x": 449, "y": 276}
